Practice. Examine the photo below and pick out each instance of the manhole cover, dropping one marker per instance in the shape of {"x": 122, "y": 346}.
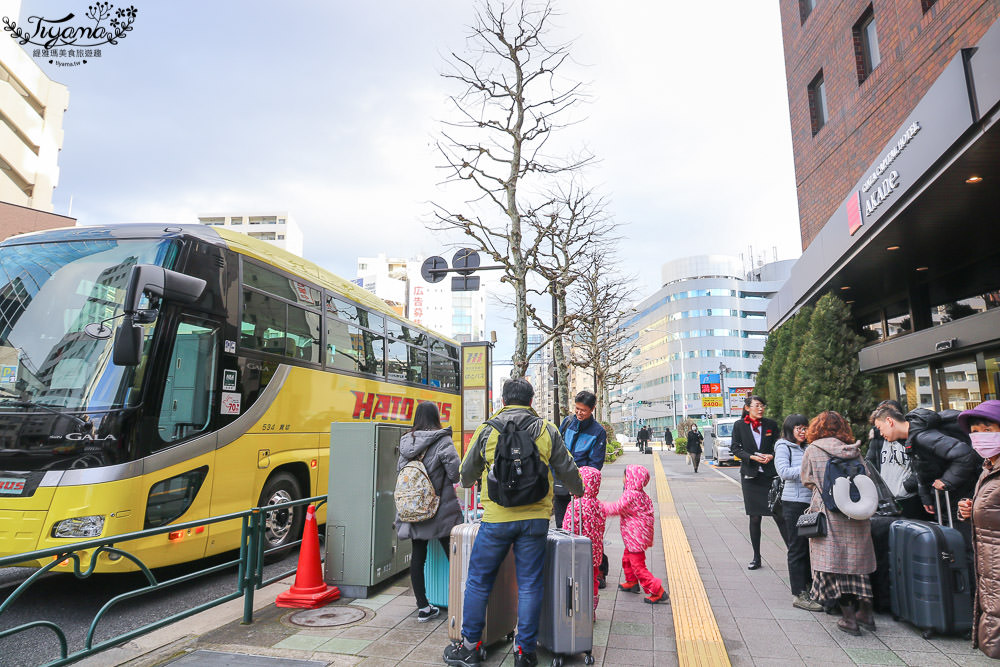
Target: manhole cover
{"x": 326, "y": 617}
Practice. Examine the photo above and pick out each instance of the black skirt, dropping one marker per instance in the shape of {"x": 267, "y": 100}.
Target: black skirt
{"x": 755, "y": 495}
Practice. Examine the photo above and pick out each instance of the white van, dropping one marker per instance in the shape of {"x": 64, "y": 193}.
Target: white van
{"x": 721, "y": 437}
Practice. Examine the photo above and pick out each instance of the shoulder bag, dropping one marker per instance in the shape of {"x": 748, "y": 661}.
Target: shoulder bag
{"x": 811, "y": 525}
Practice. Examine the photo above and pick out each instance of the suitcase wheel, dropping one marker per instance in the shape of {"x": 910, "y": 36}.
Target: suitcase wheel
{"x": 927, "y": 634}
{"x": 482, "y": 654}
{"x": 557, "y": 661}
{"x": 588, "y": 659}
{"x": 510, "y": 636}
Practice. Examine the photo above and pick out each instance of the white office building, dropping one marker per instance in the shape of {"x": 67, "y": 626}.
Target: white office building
{"x": 708, "y": 318}
{"x": 278, "y": 229}
{"x": 31, "y": 125}
{"x": 459, "y": 315}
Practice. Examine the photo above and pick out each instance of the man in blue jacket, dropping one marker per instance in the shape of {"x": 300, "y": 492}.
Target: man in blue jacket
{"x": 586, "y": 440}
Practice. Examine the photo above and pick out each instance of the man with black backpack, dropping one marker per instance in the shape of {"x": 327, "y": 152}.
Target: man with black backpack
{"x": 515, "y": 456}
{"x": 941, "y": 455}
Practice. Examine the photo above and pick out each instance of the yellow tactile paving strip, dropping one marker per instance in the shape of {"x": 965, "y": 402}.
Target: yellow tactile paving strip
{"x": 699, "y": 641}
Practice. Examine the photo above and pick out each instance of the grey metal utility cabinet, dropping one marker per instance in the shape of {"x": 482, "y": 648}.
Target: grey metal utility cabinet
{"x": 361, "y": 544}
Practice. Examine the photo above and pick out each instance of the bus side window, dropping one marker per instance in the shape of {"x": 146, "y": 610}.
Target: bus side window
{"x": 189, "y": 387}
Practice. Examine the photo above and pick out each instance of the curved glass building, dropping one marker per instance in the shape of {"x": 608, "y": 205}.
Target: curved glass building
{"x": 709, "y": 318}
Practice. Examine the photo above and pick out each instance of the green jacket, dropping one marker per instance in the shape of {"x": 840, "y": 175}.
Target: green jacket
{"x": 551, "y": 450}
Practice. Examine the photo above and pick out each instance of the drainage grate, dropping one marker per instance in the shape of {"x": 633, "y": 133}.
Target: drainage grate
{"x": 326, "y": 617}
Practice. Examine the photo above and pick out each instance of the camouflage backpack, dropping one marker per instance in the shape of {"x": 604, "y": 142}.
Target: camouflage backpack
{"x": 415, "y": 497}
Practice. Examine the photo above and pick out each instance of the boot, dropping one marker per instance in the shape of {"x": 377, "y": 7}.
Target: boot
{"x": 848, "y": 622}
{"x": 866, "y": 615}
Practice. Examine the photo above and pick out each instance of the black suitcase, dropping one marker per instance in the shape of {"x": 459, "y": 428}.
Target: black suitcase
{"x": 929, "y": 571}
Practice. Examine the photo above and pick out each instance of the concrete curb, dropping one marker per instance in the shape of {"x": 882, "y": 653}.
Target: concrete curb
{"x": 171, "y": 641}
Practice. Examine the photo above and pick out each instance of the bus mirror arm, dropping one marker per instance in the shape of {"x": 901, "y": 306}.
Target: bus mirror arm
{"x": 156, "y": 280}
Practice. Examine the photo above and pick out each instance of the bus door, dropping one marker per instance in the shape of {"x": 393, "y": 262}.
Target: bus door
{"x": 178, "y": 475}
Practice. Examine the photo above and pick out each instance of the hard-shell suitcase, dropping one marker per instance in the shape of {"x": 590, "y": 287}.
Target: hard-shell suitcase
{"x": 501, "y": 607}
{"x": 436, "y": 574}
{"x": 929, "y": 571}
{"x": 566, "y": 625}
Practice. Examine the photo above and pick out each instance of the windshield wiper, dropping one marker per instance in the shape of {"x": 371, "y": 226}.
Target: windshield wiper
{"x": 18, "y": 402}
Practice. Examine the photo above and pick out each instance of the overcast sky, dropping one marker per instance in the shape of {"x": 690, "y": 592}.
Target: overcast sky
{"x": 330, "y": 110}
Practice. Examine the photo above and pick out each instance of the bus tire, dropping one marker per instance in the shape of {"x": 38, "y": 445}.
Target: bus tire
{"x": 284, "y": 525}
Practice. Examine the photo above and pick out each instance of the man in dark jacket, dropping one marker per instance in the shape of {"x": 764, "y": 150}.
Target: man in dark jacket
{"x": 940, "y": 458}
{"x": 668, "y": 438}
{"x": 892, "y": 462}
{"x": 586, "y": 440}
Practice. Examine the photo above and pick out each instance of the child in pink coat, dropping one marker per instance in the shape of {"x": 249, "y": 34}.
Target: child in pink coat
{"x": 636, "y": 511}
{"x": 589, "y": 519}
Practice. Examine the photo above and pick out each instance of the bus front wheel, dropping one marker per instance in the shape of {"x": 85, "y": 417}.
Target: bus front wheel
{"x": 284, "y": 525}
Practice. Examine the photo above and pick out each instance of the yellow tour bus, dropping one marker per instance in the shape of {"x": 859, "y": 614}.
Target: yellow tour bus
{"x": 155, "y": 374}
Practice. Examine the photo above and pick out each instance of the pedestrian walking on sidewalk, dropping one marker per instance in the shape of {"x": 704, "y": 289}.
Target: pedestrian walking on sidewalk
{"x": 668, "y": 438}
{"x": 694, "y": 447}
{"x": 795, "y": 499}
{"x": 522, "y": 528}
{"x": 843, "y": 558}
{"x": 753, "y": 442}
{"x": 586, "y": 517}
{"x": 983, "y": 425}
{"x": 434, "y": 447}
{"x": 635, "y": 508}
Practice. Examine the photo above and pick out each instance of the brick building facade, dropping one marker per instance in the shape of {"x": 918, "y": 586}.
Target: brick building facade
{"x": 895, "y": 118}
{"x": 915, "y": 46}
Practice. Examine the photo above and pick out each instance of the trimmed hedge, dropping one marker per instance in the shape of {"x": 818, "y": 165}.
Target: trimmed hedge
{"x": 681, "y": 445}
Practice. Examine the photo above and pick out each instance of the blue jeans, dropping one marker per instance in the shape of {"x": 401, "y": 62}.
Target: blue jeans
{"x": 493, "y": 541}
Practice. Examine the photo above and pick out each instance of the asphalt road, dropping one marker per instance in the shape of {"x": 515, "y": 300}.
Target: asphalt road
{"x": 71, "y": 604}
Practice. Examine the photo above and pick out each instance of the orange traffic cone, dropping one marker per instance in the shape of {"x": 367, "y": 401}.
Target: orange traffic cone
{"x": 309, "y": 590}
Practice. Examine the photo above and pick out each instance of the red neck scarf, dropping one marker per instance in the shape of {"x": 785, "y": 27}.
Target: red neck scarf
{"x": 754, "y": 423}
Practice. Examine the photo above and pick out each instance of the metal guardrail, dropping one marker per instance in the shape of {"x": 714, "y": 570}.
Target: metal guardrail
{"x": 250, "y": 577}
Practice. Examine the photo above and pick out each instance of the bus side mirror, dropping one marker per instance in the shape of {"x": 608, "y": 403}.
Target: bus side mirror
{"x": 156, "y": 280}
{"x": 128, "y": 343}
{"x": 161, "y": 282}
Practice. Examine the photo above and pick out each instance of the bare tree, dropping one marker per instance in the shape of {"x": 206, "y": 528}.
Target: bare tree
{"x": 603, "y": 344}
{"x": 511, "y": 102}
{"x": 570, "y": 226}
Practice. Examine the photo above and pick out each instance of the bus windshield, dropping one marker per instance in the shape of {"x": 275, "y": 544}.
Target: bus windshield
{"x": 48, "y": 293}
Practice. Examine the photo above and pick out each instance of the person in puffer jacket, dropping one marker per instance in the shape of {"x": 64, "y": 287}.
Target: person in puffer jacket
{"x": 588, "y": 514}
{"x": 635, "y": 508}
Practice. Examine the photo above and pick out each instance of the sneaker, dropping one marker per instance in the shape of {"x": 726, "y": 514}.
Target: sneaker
{"x": 522, "y": 659}
{"x": 803, "y": 601}
{"x": 629, "y": 587}
{"x": 456, "y": 654}
{"x": 427, "y": 614}
{"x": 657, "y": 598}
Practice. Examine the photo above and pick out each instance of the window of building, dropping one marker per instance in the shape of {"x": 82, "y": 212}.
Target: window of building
{"x": 925, "y": 5}
{"x": 236, "y": 221}
{"x": 910, "y": 381}
{"x": 817, "y": 103}
{"x": 871, "y": 328}
{"x": 991, "y": 381}
{"x": 805, "y": 9}
{"x": 263, "y": 236}
{"x": 958, "y": 385}
{"x": 897, "y": 320}
{"x": 263, "y": 220}
{"x": 212, "y": 221}
{"x": 956, "y": 310}
{"x": 866, "y": 52}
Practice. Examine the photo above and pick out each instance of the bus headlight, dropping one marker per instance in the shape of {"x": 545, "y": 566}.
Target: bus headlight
{"x": 80, "y": 526}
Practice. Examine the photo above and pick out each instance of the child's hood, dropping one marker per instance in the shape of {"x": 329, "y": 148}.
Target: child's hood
{"x": 591, "y": 481}
{"x": 636, "y": 477}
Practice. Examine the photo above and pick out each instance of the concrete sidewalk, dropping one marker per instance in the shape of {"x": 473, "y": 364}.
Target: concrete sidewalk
{"x": 753, "y": 610}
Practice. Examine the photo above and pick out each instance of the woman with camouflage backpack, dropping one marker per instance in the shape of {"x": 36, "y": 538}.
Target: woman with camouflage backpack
{"x": 432, "y": 445}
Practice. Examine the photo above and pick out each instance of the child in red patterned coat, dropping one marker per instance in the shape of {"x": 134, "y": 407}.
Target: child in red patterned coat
{"x": 589, "y": 517}
{"x": 636, "y": 510}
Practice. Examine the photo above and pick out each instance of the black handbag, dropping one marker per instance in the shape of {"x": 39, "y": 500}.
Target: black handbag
{"x": 774, "y": 495}
{"x": 811, "y": 525}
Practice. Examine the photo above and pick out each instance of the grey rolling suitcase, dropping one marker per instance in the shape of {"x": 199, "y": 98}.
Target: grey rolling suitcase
{"x": 566, "y": 625}
{"x": 930, "y": 585}
{"x": 501, "y": 607}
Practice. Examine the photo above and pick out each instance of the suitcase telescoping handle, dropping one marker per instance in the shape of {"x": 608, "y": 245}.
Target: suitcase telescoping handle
{"x": 947, "y": 505}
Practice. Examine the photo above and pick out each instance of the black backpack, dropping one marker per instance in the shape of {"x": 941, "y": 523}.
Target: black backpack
{"x": 835, "y": 469}
{"x": 518, "y": 476}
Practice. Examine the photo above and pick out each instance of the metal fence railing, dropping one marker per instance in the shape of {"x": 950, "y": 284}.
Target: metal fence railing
{"x": 249, "y": 564}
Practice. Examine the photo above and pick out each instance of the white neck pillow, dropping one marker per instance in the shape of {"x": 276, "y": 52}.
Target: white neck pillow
{"x": 865, "y": 507}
